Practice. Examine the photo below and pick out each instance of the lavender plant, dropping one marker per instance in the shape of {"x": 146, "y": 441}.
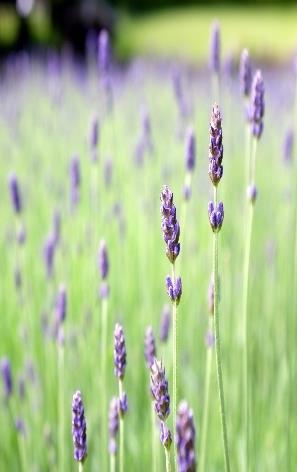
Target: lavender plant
{"x": 256, "y": 113}
{"x": 215, "y": 59}
{"x": 161, "y": 398}
{"x": 185, "y": 438}
{"x": 79, "y": 430}
{"x": 120, "y": 362}
{"x": 171, "y": 232}
{"x": 216, "y": 218}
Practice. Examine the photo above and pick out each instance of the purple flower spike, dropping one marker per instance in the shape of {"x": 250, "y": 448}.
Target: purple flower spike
{"x": 245, "y": 73}
{"x": 216, "y": 216}
{"x": 149, "y": 346}
{"x": 15, "y": 194}
{"x": 257, "y": 105}
{"x": 48, "y": 255}
{"x": 5, "y": 370}
{"x": 165, "y": 323}
{"x": 185, "y": 438}
{"x": 190, "y": 154}
{"x": 103, "y": 260}
{"x": 170, "y": 225}
{"x": 120, "y": 356}
{"x": 252, "y": 193}
{"x": 159, "y": 389}
{"x": 215, "y": 48}
{"x": 61, "y": 305}
{"x": 104, "y": 290}
{"x": 174, "y": 290}
{"x": 75, "y": 180}
{"x": 104, "y": 51}
{"x": 122, "y": 405}
{"x": 288, "y": 146}
{"x": 79, "y": 428}
{"x": 215, "y": 150}
{"x": 165, "y": 435}
{"x": 113, "y": 425}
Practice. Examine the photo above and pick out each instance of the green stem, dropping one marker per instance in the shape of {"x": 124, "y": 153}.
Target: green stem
{"x": 154, "y": 448}
{"x": 80, "y": 467}
{"x": 121, "y": 430}
{"x": 112, "y": 462}
{"x": 218, "y": 347}
{"x": 175, "y": 362}
{"x": 206, "y": 401}
{"x": 167, "y": 458}
{"x": 61, "y": 420}
{"x": 104, "y": 379}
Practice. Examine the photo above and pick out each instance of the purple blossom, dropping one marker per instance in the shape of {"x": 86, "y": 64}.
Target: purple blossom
{"x": 185, "y": 438}
{"x": 113, "y": 425}
{"x": 257, "y": 105}
{"x": 215, "y": 48}
{"x": 190, "y": 150}
{"x": 122, "y": 404}
{"x": 159, "y": 390}
{"x": 252, "y": 193}
{"x": 165, "y": 323}
{"x": 104, "y": 51}
{"x": 5, "y": 370}
{"x": 48, "y": 255}
{"x": 79, "y": 428}
{"x": 216, "y": 216}
{"x": 174, "y": 289}
{"x": 165, "y": 435}
{"x": 216, "y": 150}
{"x": 245, "y": 73}
{"x": 104, "y": 290}
{"x": 149, "y": 346}
{"x": 103, "y": 264}
{"x": 15, "y": 194}
{"x": 120, "y": 356}
{"x": 170, "y": 225}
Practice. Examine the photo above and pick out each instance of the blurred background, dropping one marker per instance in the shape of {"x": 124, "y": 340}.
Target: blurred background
{"x": 151, "y": 27}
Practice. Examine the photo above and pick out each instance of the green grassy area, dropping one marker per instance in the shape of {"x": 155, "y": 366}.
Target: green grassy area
{"x": 270, "y": 33}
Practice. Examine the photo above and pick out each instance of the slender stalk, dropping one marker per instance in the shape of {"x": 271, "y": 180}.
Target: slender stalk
{"x": 208, "y": 370}
{"x": 175, "y": 362}
{"x": 61, "y": 421}
{"x": 167, "y": 458}
{"x": 112, "y": 462}
{"x": 121, "y": 430}
{"x": 154, "y": 448}
{"x": 218, "y": 347}
{"x": 247, "y": 154}
{"x": 248, "y": 232}
{"x": 80, "y": 467}
{"x": 104, "y": 378}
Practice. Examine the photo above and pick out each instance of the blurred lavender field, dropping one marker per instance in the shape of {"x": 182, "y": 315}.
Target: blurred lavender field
{"x": 91, "y": 149}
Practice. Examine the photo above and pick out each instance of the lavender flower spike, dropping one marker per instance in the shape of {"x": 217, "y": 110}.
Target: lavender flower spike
{"x": 120, "y": 356}
{"x": 216, "y": 216}
{"x": 113, "y": 425}
{"x": 103, "y": 260}
{"x": 257, "y": 105}
{"x": 159, "y": 389}
{"x": 5, "y": 370}
{"x": 48, "y": 255}
{"x": 79, "y": 428}
{"x": 170, "y": 225}
{"x": 245, "y": 73}
{"x": 15, "y": 194}
{"x": 215, "y": 48}
{"x": 174, "y": 289}
{"x": 149, "y": 346}
{"x": 104, "y": 51}
{"x": 165, "y": 323}
{"x": 190, "y": 154}
{"x": 165, "y": 435}
{"x": 185, "y": 438}
{"x": 61, "y": 305}
{"x": 216, "y": 150}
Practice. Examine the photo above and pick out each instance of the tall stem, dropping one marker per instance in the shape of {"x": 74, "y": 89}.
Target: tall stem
{"x": 206, "y": 400}
{"x": 121, "y": 430}
{"x": 175, "y": 362}
{"x": 167, "y": 457}
{"x": 153, "y": 423}
{"x": 218, "y": 347}
{"x": 112, "y": 462}
{"x": 80, "y": 467}
{"x": 104, "y": 379}
{"x": 61, "y": 420}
